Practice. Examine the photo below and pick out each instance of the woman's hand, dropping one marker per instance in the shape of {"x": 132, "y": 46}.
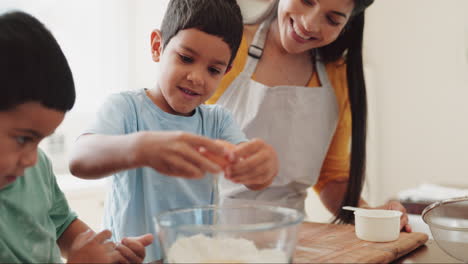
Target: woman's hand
{"x": 395, "y": 205}
{"x": 256, "y": 167}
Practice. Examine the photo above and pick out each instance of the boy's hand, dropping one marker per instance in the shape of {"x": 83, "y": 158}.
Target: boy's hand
{"x": 133, "y": 248}
{"x": 177, "y": 153}
{"x": 257, "y": 167}
{"x": 89, "y": 247}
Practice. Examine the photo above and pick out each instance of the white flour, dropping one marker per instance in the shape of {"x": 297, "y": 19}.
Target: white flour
{"x": 203, "y": 249}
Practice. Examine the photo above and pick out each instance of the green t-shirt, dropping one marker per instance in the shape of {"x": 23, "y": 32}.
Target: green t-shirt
{"x": 33, "y": 215}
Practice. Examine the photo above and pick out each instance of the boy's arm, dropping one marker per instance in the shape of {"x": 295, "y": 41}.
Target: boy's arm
{"x": 95, "y": 156}
{"x": 68, "y": 236}
{"x": 171, "y": 153}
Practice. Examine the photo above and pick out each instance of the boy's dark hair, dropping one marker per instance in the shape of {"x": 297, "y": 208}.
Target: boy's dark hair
{"x": 220, "y": 18}
{"x": 32, "y": 65}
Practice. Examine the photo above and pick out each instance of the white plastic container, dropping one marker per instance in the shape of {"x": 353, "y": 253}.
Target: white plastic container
{"x": 377, "y": 225}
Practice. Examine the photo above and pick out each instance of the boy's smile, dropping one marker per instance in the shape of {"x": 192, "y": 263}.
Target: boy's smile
{"x": 192, "y": 65}
{"x": 21, "y": 130}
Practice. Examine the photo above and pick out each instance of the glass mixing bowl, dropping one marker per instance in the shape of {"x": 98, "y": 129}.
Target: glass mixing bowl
{"x": 229, "y": 234}
{"x": 448, "y": 221}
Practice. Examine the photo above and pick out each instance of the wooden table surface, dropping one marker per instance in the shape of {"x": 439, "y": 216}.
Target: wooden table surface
{"x": 331, "y": 243}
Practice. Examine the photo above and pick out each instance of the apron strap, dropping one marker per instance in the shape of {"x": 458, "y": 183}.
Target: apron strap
{"x": 256, "y": 47}
{"x": 322, "y": 71}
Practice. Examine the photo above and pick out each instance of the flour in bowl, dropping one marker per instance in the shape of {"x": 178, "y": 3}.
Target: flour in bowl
{"x": 203, "y": 249}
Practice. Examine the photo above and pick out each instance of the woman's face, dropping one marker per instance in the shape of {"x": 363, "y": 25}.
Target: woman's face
{"x": 308, "y": 24}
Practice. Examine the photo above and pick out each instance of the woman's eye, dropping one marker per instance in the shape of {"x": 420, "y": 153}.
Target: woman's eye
{"x": 185, "y": 58}
{"x": 332, "y": 22}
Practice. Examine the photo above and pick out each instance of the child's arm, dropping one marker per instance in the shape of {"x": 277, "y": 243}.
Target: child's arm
{"x": 171, "y": 153}
{"x": 79, "y": 244}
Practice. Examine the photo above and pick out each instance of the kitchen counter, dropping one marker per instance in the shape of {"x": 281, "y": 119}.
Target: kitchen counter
{"x": 327, "y": 243}
{"x": 428, "y": 253}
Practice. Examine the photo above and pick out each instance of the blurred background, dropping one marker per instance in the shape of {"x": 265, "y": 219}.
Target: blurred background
{"x": 416, "y": 63}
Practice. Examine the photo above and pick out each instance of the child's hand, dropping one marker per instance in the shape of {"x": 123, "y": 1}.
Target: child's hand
{"x": 257, "y": 167}
{"x": 133, "y": 248}
{"x": 89, "y": 247}
{"x": 177, "y": 153}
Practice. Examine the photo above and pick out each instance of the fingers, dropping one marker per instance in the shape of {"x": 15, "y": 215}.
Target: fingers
{"x": 145, "y": 240}
{"x": 204, "y": 164}
{"x": 249, "y": 172}
{"x": 177, "y": 165}
{"x": 102, "y": 236}
{"x": 249, "y": 148}
{"x": 403, "y": 221}
{"x": 133, "y": 248}
{"x": 199, "y": 141}
{"x": 116, "y": 257}
{"x": 128, "y": 254}
{"x": 258, "y": 166}
{"x": 109, "y": 246}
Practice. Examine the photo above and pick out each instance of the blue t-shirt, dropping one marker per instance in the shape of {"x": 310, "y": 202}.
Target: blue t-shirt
{"x": 138, "y": 195}
{"x": 33, "y": 215}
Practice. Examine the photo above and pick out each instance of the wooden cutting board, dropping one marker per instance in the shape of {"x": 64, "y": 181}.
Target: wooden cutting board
{"x": 331, "y": 243}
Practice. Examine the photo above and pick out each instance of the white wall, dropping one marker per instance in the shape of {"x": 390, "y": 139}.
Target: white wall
{"x": 417, "y": 54}
{"x": 148, "y": 15}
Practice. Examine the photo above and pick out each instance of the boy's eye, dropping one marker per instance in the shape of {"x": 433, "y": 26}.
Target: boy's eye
{"x": 214, "y": 71}
{"x": 185, "y": 59}
{"x": 21, "y": 140}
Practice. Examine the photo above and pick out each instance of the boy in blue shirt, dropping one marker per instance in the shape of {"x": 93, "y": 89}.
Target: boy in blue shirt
{"x": 36, "y": 224}
{"x": 151, "y": 139}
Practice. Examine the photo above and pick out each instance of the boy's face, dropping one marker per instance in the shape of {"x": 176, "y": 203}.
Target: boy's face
{"x": 192, "y": 65}
{"x": 21, "y": 130}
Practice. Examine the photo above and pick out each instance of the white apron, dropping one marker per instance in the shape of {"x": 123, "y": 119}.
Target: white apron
{"x": 299, "y": 122}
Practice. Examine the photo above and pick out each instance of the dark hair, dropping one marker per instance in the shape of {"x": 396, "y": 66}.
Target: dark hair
{"x": 349, "y": 46}
{"x": 220, "y": 18}
{"x": 32, "y": 65}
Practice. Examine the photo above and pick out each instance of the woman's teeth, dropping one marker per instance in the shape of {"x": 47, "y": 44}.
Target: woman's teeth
{"x": 299, "y": 32}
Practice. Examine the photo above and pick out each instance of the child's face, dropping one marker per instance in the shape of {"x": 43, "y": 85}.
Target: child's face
{"x": 192, "y": 65}
{"x": 307, "y": 24}
{"x": 21, "y": 130}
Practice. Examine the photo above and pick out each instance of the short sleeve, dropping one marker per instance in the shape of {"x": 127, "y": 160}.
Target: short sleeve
{"x": 113, "y": 117}
{"x": 230, "y": 130}
{"x": 59, "y": 212}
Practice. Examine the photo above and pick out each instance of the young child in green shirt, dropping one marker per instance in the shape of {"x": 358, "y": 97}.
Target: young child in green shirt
{"x": 36, "y": 223}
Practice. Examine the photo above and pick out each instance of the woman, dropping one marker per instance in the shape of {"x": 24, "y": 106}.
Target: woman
{"x": 297, "y": 82}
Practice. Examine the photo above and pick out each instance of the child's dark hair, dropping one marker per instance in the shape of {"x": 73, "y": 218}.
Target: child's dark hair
{"x": 220, "y": 18}
{"x": 32, "y": 65}
{"x": 349, "y": 46}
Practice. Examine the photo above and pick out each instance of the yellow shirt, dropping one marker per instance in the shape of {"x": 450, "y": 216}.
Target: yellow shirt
{"x": 336, "y": 163}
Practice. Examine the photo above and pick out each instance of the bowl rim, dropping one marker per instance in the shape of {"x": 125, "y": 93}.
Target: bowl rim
{"x": 439, "y": 203}
{"x": 297, "y": 218}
